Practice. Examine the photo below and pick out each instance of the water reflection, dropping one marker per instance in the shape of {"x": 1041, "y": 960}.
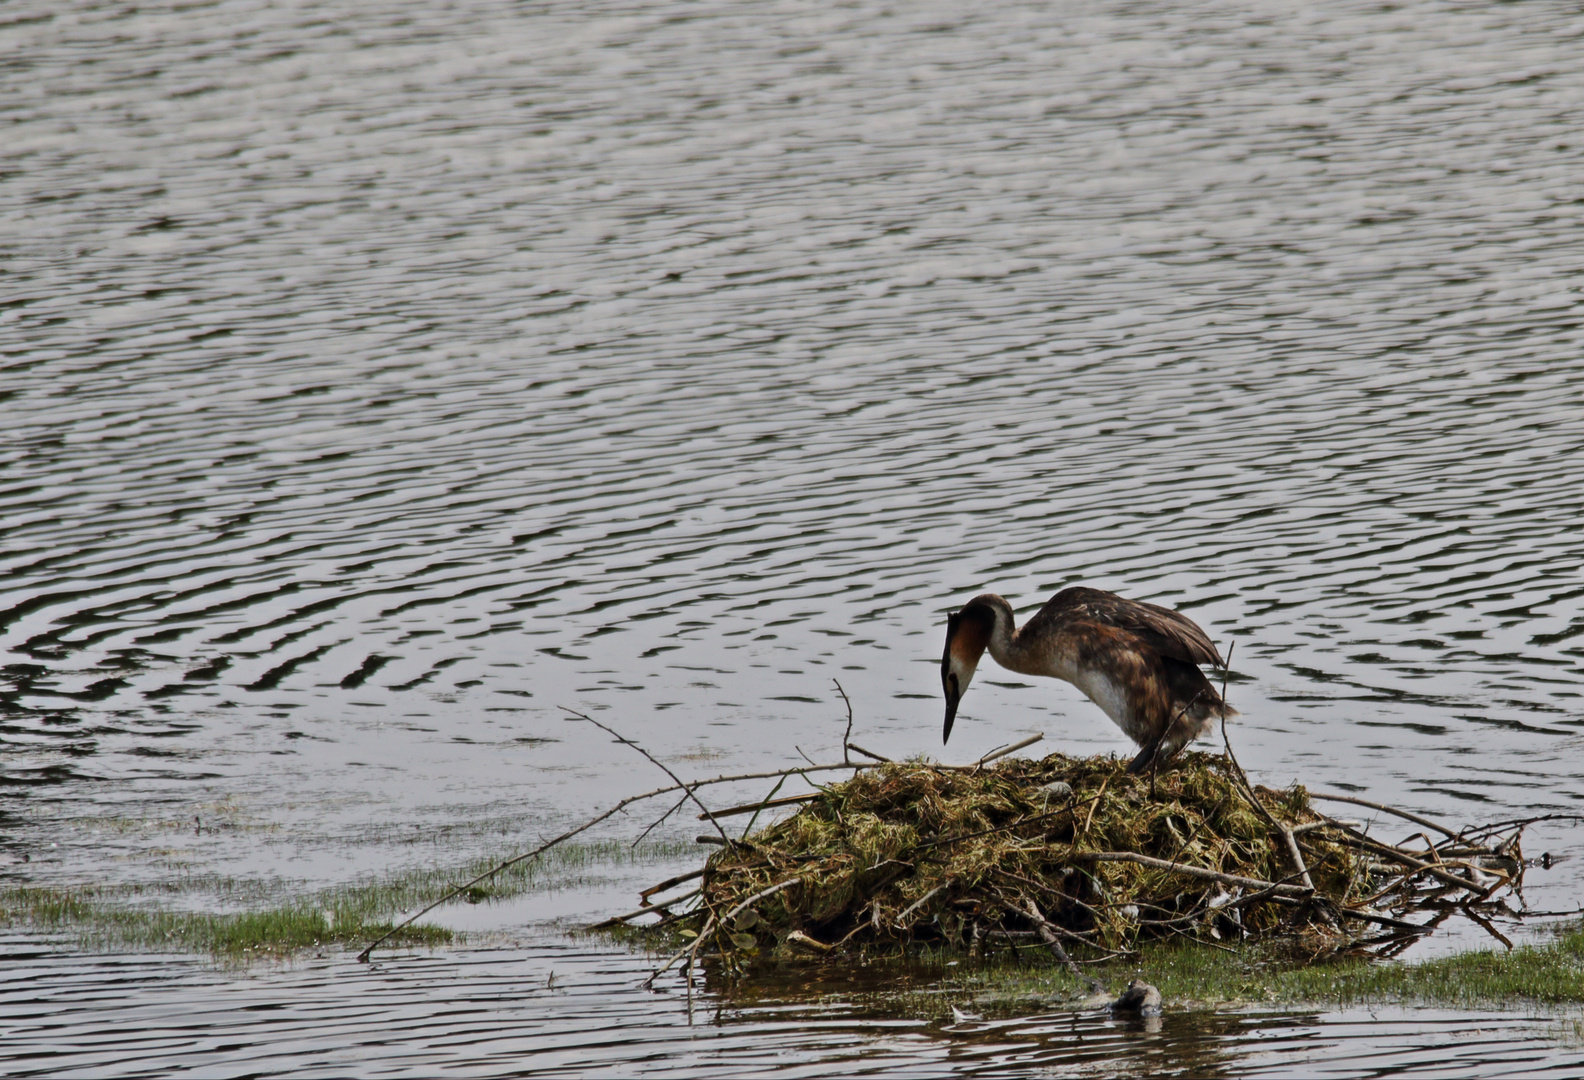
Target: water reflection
{"x": 377, "y": 381}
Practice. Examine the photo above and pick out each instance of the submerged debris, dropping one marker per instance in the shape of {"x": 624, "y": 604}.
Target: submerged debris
{"x": 1074, "y": 856}
{"x": 1139, "y": 999}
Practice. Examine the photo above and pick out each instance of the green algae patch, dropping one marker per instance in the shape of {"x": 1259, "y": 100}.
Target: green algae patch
{"x": 1188, "y": 975}
{"x": 111, "y": 918}
{"x": 258, "y": 920}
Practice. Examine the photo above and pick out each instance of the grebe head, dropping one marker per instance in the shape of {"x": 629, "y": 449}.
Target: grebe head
{"x": 967, "y": 634}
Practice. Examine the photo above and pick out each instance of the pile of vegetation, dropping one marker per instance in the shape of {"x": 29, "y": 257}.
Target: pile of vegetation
{"x": 969, "y": 858}
{"x": 1078, "y": 857}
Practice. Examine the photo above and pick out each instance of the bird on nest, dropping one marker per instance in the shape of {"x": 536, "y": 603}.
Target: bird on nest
{"x": 1139, "y": 662}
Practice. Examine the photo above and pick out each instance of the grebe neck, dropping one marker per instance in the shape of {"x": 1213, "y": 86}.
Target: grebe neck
{"x": 1005, "y": 647}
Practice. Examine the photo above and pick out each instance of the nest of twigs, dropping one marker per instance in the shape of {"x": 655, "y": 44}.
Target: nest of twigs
{"x": 1072, "y": 854}
{"x": 915, "y": 853}
{"x": 1075, "y": 856}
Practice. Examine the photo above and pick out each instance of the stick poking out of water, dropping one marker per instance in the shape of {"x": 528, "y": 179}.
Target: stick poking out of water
{"x": 458, "y": 890}
{"x": 686, "y": 789}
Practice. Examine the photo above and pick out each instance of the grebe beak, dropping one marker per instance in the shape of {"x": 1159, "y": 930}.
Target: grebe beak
{"x": 953, "y": 696}
{"x": 965, "y": 643}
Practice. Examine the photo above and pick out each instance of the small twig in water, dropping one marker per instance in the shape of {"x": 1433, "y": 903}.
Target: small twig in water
{"x": 669, "y": 883}
{"x": 661, "y": 820}
{"x": 848, "y": 733}
{"x": 1415, "y": 818}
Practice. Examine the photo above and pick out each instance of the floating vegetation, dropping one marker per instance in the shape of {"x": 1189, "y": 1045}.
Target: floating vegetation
{"x": 101, "y": 917}
{"x": 1549, "y": 970}
{"x": 280, "y": 919}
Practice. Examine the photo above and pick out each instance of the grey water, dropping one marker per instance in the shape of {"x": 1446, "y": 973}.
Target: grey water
{"x": 381, "y": 381}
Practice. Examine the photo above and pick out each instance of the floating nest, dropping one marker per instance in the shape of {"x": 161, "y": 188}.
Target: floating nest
{"x": 1075, "y": 856}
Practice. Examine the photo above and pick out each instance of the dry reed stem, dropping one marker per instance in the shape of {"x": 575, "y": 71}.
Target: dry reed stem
{"x": 1404, "y": 814}
{"x": 1192, "y": 871}
{"x": 647, "y": 909}
{"x": 920, "y": 902}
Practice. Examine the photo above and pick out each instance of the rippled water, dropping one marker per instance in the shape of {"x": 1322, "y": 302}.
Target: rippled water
{"x": 556, "y": 1010}
{"x": 378, "y": 380}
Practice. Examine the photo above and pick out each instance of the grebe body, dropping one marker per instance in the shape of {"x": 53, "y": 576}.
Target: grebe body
{"x": 1139, "y": 662}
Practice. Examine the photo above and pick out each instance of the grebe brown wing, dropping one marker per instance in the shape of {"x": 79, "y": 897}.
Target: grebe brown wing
{"x": 1168, "y": 632}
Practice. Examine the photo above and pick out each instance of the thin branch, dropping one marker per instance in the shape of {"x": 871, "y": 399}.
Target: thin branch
{"x": 1297, "y": 857}
{"x": 1079, "y": 834}
{"x": 848, "y": 733}
{"x": 758, "y": 896}
{"x": 1240, "y": 778}
{"x": 920, "y": 902}
{"x": 1004, "y": 751}
{"x": 1415, "y": 818}
{"x": 514, "y": 860}
{"x": 669, "y": 883}
{"x": 1048, "y": 932}
{"x": 709, "y": 925}
{"x": 1198, "y": 940}
{"x": 662, "y": 766}
{"x": 1190, "y": 871}
{"x": 686, "y": 949}
{"x": 647, "y": 909}
{"x": 767, "y": 804}
{"x": 779, "y": 784}
{"x": 589, "y": 824}
{"x": 1485, "y": 924}
{"x": 1353, "y": 839}
{"x": 881, "y": 758}
{"x": 1486, "y": 830}
{"x": 680, "y": 803}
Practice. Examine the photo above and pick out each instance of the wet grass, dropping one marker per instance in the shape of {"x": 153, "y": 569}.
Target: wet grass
{"x": 1548, "y": 972}
{"x": 104, "y": 919}
{"x": 278, "y": 920}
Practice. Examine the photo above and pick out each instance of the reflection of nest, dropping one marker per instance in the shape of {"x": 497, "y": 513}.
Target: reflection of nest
{"x": 1074, "y": 855}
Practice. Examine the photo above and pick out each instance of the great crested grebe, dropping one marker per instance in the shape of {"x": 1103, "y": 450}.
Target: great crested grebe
{"x": 1139, "y": 662}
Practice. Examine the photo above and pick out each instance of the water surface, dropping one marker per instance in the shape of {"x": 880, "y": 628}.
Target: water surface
{"x": 379, "y": 382}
